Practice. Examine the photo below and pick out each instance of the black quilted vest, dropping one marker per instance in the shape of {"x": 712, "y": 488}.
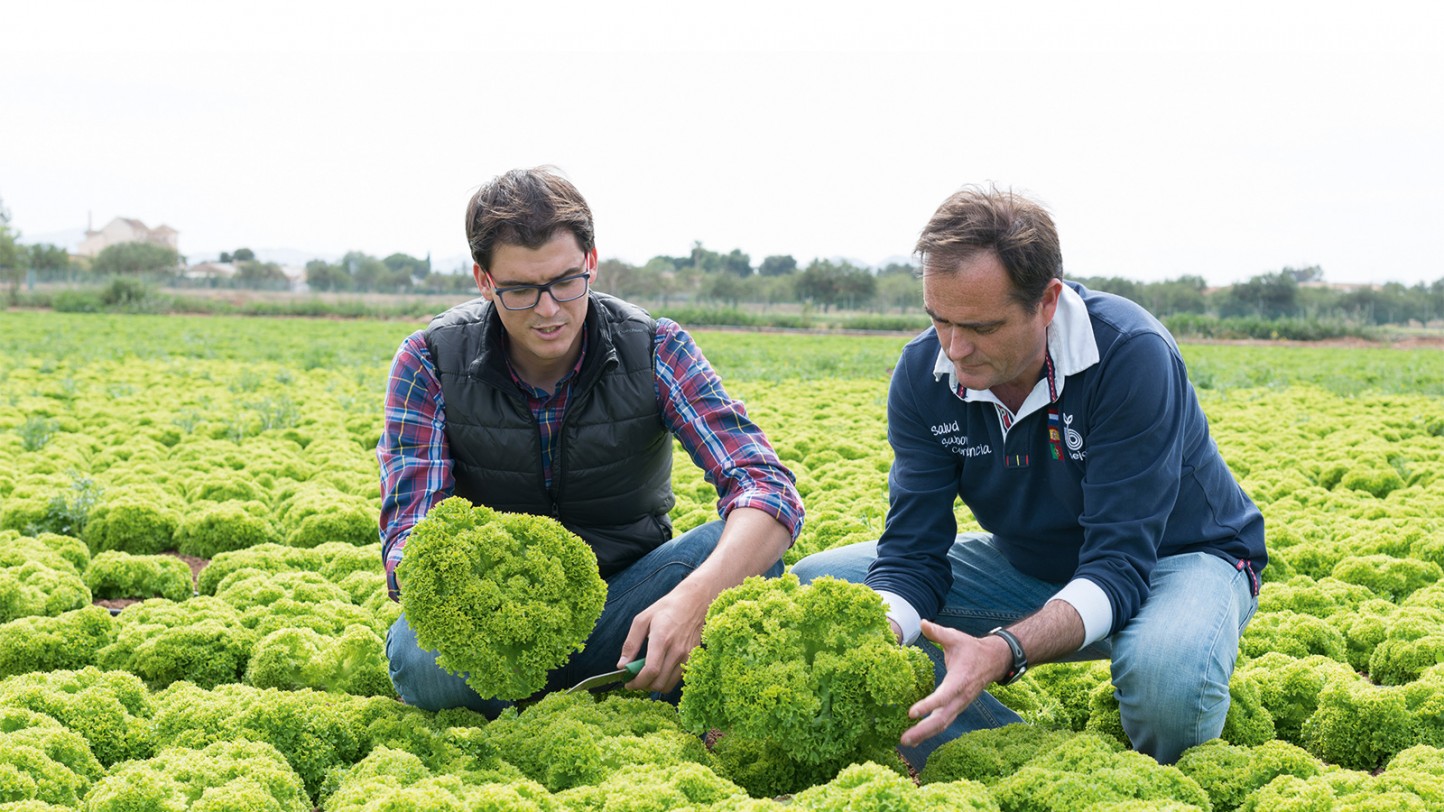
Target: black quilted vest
{"x": 612, "y": 459}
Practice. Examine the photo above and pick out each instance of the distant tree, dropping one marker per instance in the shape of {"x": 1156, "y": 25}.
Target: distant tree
{"x": 408, "y": 265}
{"x": 10, "y": 251}
{"x": 1116, "y": 285}
{"x": 778, "y": 265}
{"x": 900, "y": 290}
{"x": 366, "y": 272}
{"x": 857, "y": 288}
{"x": 737, "y": 263}
{"x": 724, "y": 287}
{"x": 1270, "y": 295}
{"x": 775, "y": 289}
{"x": 322, "y": 275}
{"x": 259, "y": 274}
{"x": 224, "y": 257}
{"x": 826, "y": 284}
{"x": 244, "y": 255}
{"x": 897, "y": 269}
{"x": 623, "y": 279}
{"x": 1186, "y": 294}
{"x": 1308, "y": 273}
{"x": 703, "y": 260}
{"x": 135, "y": 258}
{"x": 47, "y": 257}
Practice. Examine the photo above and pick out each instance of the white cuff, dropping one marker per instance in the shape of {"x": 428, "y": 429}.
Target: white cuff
{"x": 904, "y": 615}
{"x": 1092, "y": 605}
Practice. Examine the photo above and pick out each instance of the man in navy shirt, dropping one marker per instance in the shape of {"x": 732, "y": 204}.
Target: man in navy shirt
{"x": 1065, "y": 421}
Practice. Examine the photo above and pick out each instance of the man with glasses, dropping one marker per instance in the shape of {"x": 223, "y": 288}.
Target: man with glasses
{"x": 546, "y": 397}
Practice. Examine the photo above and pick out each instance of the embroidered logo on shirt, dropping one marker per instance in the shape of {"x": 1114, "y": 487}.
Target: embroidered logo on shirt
{"x": 949, "y": 437}
{"x": 1073, "y": 439}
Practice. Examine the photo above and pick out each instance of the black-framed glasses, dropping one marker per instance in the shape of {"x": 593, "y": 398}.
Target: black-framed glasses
{"x": 525, "y": 297}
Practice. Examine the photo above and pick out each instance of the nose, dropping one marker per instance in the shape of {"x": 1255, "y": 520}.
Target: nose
{"x": 546, "y": 304}
{"x": 956, "y": 345}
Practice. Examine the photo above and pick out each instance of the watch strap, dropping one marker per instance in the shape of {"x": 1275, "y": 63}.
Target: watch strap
{"x": 1020, "y": 658}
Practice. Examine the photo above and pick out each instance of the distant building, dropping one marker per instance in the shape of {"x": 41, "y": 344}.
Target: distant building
{"x": 125, "y": 229}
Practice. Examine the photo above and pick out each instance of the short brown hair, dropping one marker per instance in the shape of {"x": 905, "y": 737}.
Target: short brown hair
{"x": 525, "y": 207}
{"x": 1016, "y": 228}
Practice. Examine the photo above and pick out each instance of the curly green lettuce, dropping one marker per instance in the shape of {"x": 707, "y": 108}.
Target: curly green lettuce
{"x": 814, "y": 669}
{"x": 503, "y": 598}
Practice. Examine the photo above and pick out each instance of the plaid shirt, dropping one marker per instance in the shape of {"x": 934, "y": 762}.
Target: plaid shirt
{"x": 714, "y": 429}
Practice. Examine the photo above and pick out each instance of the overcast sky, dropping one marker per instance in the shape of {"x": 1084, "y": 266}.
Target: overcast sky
{"x": 1225, "y": 141}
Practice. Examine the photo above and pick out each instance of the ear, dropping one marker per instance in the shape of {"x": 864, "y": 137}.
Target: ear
{"x": 483, "y": 281}
{"x": 592, "y": 266}
{"x": 1049, "y": 303}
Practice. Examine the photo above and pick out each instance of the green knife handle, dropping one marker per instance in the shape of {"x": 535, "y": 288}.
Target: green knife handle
{"x": 635, "y": 667}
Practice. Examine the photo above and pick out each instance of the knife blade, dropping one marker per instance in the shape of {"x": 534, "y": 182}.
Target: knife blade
{"x": 624, "y": 674}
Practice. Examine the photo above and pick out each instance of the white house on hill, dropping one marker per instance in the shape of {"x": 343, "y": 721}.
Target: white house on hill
{"x": 125, "y": 229}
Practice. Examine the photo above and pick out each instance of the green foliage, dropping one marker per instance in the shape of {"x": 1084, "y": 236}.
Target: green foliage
{"x": 161, "y": 641}
{"x": 1387, "y": 576}
{"x": 317, "y": 514}
{"x": 114, "y": 574}
{"x": 316, "y": 732}
{"x": 1248, "y": 721}
{"x": 352, "y": 663}
{"x": 503, "y": 598}
{"x": 222, "y": 776}
{"x": 1358, "y": 726}
{"x": 813, "y": 669}
{"x": 766, "y": 770}
{"x": 1229, "y": 773}
{"x": 111, "y": 709}
{"x": 135, "y": 258}
{"x": 1087, "y": 772}
{"x": 1291, "y": 633}
{"x": 135, "y": 521}
{"x": 216, "y": 527}
{"x": 568, "y": 740}
{"x": 67, "y": 641}
{"x": 28, "y": 773}
{"x": 35, "y": 589}
{"x": 395, "y": 780}
{"x": 643, "y": 788}
{"x": 1414, "y": 641}
{"x": 870, "y": 786}
{"x": 990, "y": 755}
{"x": 334, "y": 561}
{"x": 1056, "y": 695}
{"x": 1289, "y": 688}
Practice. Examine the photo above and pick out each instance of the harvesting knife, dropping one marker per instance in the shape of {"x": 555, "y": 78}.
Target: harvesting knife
{"x": 624, "y": 674}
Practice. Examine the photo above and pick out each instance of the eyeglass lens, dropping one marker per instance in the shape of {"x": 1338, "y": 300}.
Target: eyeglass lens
{"x": 525, "y": 297}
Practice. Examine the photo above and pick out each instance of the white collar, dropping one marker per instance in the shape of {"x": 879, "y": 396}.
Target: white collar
{"x": 1070, "y": 343}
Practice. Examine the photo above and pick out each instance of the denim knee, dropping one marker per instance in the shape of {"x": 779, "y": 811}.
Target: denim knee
{"x": 849, "y": 563}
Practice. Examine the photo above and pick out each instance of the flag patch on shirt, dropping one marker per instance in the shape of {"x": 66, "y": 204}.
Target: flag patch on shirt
{"x": 1055, "y": 435}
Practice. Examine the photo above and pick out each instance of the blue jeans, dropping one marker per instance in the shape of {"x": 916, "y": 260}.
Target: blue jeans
{"x": 421, "y": 682}
{"x": 1171, "y": 664}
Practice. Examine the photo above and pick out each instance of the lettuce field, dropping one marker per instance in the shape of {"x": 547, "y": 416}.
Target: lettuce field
{"x": 216, "y": 477}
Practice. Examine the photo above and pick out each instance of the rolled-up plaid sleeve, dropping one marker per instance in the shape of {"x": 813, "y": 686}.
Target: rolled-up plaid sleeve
{"x": 722, "y": 440}
{"x": 415, "y": 461}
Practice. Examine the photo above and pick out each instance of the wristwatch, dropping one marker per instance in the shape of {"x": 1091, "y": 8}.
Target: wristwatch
{"x": 1020, "y": 659}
